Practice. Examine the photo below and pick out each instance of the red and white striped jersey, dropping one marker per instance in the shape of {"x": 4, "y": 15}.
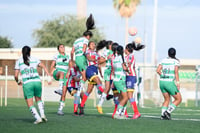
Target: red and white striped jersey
{"x": 130, "y": 60}
{"x": 94, "y": 55}
{"x": 71, "y": 82}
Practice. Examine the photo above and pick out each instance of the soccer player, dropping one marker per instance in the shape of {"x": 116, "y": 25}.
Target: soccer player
{"x": 131, "y": 75}
{"x": 91, "y": 74}
{"x": 169, "y": 83}
{"x": 114, "y": 89}
{"x": 27, "y": 66}
{"x": 59, "y": 70}
{"x": 119, "y": 68}
{"x": 59, "y": 67}
{"x": 73, "y": 85}
{"x": 80, "y": 47}
{"x": 105, "y": 58}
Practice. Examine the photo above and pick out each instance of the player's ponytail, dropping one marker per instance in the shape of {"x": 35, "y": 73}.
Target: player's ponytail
{"x": 133, "y": 46}
{"x": 26, "y": 54}
{"x": 89, "y": 25}
{"x": 114, "y": 47}
{"x": 120, "y": 51}
{"x": 172, "y": 53}
{"x": 101, "y": 45}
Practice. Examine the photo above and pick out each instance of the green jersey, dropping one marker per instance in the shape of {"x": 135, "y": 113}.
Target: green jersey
{"x": 119, "y": 73}
{"x": 105, "y": 55}
{"x": 168, "y": 69}
{"x": 62, "y": 62}
{"x": 28, "y": 73}
{"x": 78, "y": 45}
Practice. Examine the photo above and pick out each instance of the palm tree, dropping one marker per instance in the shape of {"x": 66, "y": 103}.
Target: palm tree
{"x": 126, "y": 9}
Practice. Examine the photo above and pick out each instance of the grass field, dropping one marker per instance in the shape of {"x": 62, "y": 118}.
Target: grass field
{"x": 15, "y": 118}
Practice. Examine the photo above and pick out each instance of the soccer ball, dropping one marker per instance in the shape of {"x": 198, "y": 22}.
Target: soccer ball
{"x": 132, "y": 31}
{"x": 138, "y": 40}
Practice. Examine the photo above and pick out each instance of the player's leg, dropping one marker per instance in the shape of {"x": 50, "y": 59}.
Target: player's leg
{"x": 165, "y": 104}
{"x": 115, "y": 97}
{"x": 122, "y": 106}
{"x": 28, "y": 90}
{"x": 85, "y": 96}
{"x": 130, "y": 84}
{"x": 62, "y": 101}
{"x": 121, "y": 87}
{"x": 76, "y": 102}
{"x": 81, "y": 63}
{"x": 116, "y": 101}
{"x": 38, "y": 94}
{"x": 97, "y": 80}
{"x": 58, "y": 75}
{"x": 105, "y": 94}
{"x": 173, "y": 90}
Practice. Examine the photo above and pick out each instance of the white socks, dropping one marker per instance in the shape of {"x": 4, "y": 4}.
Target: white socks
{"x": 35, "y": 113}
{"x": 171, "y": 108}
{"x": 41, "y": 108}
{"x": 102, "y": 98}
{"x": 61, "y": 83}
{"x": 62, "y": 104}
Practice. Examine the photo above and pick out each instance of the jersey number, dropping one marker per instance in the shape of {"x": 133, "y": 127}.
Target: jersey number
{"x": 29, "y": 71}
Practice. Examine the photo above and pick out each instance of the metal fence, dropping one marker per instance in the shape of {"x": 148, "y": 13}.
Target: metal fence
{"x": 147, "y": 92}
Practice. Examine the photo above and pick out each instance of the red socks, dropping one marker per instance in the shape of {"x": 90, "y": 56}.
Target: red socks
{"x": 134, "y": 106}
{"x": 114, "y": 110}
{"x": 75, "y": 107}
{"x": 84, "y": 100}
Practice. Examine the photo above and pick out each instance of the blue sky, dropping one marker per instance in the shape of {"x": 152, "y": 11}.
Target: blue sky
{"x": 177, "y": 25}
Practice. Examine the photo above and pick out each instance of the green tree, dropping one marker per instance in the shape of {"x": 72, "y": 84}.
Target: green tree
{"x": 5, "y": 42}
{"x": 63, "y": 30}
{"x": 126, "y": 9}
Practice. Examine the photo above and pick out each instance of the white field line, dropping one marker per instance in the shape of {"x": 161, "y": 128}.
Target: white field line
{"x": 158, "y": 117}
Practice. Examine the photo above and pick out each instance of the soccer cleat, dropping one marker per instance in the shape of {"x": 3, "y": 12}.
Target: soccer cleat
{"x": 117, "y": 116}
{"x": 167, "y": 115}
{"x": 99, "y": 109}
{"x": 59, "y": 92}
{"x": 60, "y": 112}
{"x": 79, "y": 106}
{"x": 136, "y": 115}
{"x": 163, "y": 117}
{"x": 44, "y": 119}
{"x": 75, "y": 114}
{"x": 37, "y": 121}
{"x": 108, "y": 97}
{"x": 81, "y": 113}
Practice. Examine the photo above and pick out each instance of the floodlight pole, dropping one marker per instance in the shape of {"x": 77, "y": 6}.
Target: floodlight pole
{"x": 153, "y": 56}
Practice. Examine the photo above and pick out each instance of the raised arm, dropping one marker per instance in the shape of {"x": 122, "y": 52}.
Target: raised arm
{"x": 44, "y": 67}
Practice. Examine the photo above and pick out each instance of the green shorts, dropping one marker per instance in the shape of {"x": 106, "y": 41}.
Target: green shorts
{"x": 54, "y": 76}
{"x": 81, "y": 62}
{"x": 32, "y": 89}
{"x": 120, "y": 85}
{"x": 168, "y": 86}
{"x": 107, "y": 74}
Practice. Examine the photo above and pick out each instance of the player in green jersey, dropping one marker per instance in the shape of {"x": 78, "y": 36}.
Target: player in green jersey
{"x": 169, "y": 83}
{"x": 105, "y": 58}
{"x": 79, "y": 49}
{"x": 60, "y": 72}
{"x": 59, "y": 67}
{"x": 27, "y": 66}
{"x": 119, "y": 67}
